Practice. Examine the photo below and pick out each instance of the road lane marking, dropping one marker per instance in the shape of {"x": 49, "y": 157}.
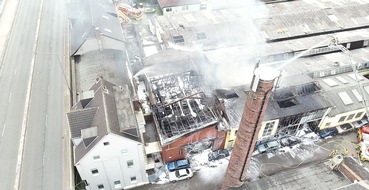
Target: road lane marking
{"x": 2, "y": 134}
{"x": 10, "y": 97}
{"x": 18, "y": 167}
{"x": 15, "y": 71}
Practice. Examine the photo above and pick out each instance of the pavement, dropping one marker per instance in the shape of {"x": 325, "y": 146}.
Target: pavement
{"x": 33, "y": 80}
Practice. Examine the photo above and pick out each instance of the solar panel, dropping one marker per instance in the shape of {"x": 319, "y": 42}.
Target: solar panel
{"x": 345, "y": 98}
{"x": 357, "y": 95}
{"x": 330, "y": 82}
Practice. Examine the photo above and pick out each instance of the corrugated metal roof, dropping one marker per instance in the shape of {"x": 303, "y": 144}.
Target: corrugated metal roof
{"x": 109, "y": 64}
{"x": 95, "y": 17}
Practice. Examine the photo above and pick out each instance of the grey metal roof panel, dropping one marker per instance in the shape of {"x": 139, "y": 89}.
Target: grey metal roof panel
{"x": 109, "y": 64}
{"x": 95, "y": 17}
{"x": 217, "y": 25}
{"x": 305, "y": 103}
{"x": 333, "y": 93}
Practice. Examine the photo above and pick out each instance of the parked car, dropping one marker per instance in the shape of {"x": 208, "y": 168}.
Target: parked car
{"x": 328, "y": 132}
{"x": 180, "y": 175}
{"x": 289, "y": 141}
{"x": 178, "y": 164}
{"x": 345, "y": 127}
{"x": 360, "y": 123}
{"x": 269, "y": 146}
{"x": 219, "y": 154}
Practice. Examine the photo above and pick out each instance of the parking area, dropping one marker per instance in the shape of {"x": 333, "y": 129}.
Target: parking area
{"x": 208, "y": 175}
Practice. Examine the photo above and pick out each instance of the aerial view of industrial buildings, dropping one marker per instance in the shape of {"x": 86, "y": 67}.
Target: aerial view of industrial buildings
{"x": 160, "y": 83}
{"x": 188, "y": 94}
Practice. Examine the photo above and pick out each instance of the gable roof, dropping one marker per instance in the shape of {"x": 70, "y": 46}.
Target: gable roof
{"x": 174, "y": 3}
{"x": 97, "y": 19}
{"x": 112, "y": 112}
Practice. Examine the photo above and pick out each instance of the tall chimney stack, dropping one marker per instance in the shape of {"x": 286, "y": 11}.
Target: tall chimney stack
{"x": 252, "y": 117}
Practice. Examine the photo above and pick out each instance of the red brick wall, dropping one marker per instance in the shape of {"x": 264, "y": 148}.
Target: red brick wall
{"x": 173, "y": 152}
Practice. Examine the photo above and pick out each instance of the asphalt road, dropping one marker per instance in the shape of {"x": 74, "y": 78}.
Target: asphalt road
{"x": 33, "y": 98}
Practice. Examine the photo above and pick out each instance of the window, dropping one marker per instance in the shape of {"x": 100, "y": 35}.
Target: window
{"x": 327, "y": 124}
{"x": 359, "y": 114}
{"x": 178, "y": 39}
{"x": 117, "y": 185}
{"x": 184, "y": 7}
{"x": 350, "y": 117}
{"x": 168, "y": 9}
{"x": 180, "y": 151}
{"x": 200, "y": 36}
{"x": 97, "y": 157}
{"x": 124, "y": 151}
{"x": 268, "y": 129}
{"x": 106, "y": 143}
{"x": 235, "y": 132}
{"x": 95, "y": 172}
{"x": 133, "y": 179}
{"x": 342, "y": 119}
{"x": 101, "y": 186}
{"x": 130, "y": 163}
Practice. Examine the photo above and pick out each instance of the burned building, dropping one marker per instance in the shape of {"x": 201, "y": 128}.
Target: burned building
{"x": 290, "y": 109}
{"x": 184, "y": 114}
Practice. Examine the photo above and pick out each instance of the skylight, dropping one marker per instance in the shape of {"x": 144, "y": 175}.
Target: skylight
{"x": 330, "y": 82}
{"x": 345, "y": 98}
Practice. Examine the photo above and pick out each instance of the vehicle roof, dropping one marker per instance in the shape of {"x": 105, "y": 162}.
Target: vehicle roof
{"x": 182, "y": 162}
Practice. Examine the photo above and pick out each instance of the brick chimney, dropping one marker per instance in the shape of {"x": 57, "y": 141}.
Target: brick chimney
{"x": 252, "y": 117}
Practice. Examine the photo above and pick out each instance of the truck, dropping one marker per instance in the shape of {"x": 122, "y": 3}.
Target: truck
{"x": 363, "y": 143}
{"x": 124, "y": 9}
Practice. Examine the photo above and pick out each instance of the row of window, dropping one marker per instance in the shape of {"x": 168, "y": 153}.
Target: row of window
{"x": 349, "y": 117}
{"x": 123, "y": 151}
{"x": 186, "y": 7}
{"x": 268, "y": 129}
{"x": 117, "y": 184}
{"x": 95, "y": 171}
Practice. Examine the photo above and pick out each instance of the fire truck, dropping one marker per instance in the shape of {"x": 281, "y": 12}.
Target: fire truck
{"x": 130, "y": 11}
{"x": 363, "y": 143}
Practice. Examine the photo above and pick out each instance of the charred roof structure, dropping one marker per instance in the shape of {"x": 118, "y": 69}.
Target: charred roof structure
{"x": 181, "y": 105}
{"x": 294, "y": 106}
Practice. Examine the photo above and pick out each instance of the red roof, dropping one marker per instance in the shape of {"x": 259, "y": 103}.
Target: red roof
{"x": 175, "y": 3}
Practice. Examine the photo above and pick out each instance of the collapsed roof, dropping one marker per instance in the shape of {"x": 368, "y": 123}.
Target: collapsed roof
{"x": 181, "y": 106}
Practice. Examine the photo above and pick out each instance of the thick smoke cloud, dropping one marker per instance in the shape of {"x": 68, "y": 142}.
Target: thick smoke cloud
{"x": 234, "y": 65}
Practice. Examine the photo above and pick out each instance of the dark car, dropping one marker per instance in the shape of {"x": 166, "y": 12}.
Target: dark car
{"x": 178, "y": 164}
{"x": 290, "y": 141}
{"x": 219, "y": 154}
{"x": 328, "y": 132}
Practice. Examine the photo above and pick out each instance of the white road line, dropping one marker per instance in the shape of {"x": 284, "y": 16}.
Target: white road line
{"x": 2, "y": 134}
{"x": 15, "y": 71}
{"x": 10, "y": 97}
{"x": 26, "y": 107}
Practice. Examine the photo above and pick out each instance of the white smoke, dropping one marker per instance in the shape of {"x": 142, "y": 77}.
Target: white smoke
{"x": 234, "y": 65}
